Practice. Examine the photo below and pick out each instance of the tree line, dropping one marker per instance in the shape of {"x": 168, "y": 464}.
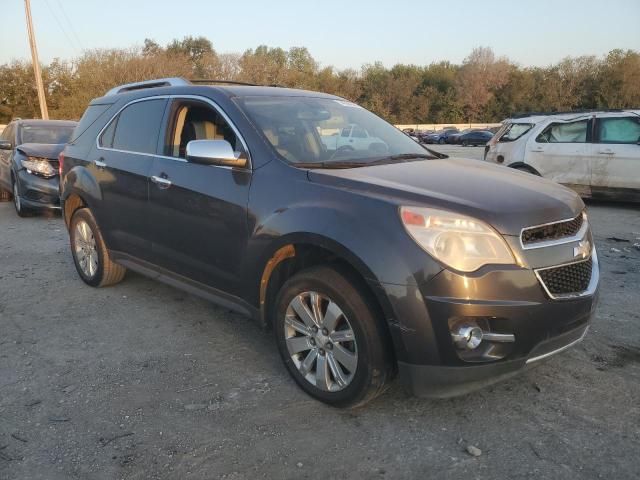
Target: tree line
{"x": 483, "y": 88}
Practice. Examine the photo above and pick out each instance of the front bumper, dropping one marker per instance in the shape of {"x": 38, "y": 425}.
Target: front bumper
{"x": 439, "y": 381}
{"x": 38, "y": 193}
{"x": 508, "y": 301}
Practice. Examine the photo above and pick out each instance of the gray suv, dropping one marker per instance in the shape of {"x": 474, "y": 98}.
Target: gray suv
{"x": 365, "y": 259}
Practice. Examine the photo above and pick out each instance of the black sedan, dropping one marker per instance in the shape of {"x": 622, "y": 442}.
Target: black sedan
{"x": 29, "y": 152}
{"x": 475, "y": 137}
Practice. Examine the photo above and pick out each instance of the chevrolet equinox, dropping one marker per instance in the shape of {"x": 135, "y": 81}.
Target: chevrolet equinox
{"x": 373, "y": 258}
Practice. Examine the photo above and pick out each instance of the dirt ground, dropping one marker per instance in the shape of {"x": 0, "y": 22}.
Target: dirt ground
{"x": 142, "y": 381}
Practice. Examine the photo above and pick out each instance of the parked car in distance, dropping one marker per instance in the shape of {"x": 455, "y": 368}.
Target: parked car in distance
{"x": 29, "y": 163}
{"x": 441, "y": 136}
{"x": 474, "y": 137}
{"x": 596, "y": 153}
{"x": 363, "y": 263}
{"x": 351, "y": 138}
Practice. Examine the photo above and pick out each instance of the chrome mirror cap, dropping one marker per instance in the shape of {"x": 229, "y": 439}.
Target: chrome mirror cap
{"x": 213, "y": 152}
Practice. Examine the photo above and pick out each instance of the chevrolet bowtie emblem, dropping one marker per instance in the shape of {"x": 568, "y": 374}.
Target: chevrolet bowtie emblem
{"x": 582, "y": 250}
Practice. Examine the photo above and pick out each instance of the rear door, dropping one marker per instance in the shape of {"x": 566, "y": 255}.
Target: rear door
{"x": 616, "y": 157}
{"x": 561, "y": 152}
{"x": 198, "y": 214}
{"x": 121, "y": 164}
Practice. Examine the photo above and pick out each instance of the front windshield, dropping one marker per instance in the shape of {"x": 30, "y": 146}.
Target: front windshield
{"x": 311, "y": 129}
{"x": 46, "y": 134}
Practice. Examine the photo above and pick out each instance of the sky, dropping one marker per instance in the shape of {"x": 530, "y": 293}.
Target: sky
{"x": 345, "y": 34}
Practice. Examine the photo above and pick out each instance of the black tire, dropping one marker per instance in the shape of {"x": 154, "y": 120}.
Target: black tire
{"x": 107, "y": 272}
{"x": 21, "y": 210}
{"x": 441, "y": 141}
{"x": 465, "y": 143}
{"x": 374, "y": 364}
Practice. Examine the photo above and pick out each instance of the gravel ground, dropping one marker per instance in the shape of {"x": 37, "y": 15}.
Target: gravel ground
{"x": 142, "y": 381}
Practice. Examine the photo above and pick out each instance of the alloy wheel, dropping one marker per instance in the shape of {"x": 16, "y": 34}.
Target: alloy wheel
{"x": 86, "y": 249}
{"x": 320, "y": 341}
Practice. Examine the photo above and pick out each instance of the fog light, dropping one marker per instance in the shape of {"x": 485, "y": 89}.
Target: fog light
{"x": 467, "y": 337}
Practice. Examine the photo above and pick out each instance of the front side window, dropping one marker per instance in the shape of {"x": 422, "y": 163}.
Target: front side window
{"x": 619, "y": 130}
{"x": 574, "y": 132}
{"x": 514, "y": 131}
{"x": 45, "y": 133}
{"x": 194, "y": 120}
{"x": 303, "y": 129}
{"x": 135, "y": 128}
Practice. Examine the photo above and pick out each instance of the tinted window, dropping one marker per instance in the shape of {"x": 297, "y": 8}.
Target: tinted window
{"x": 574, "y": 132}
{"x": 192, "y": 120}
{"x": 45, "y": 134}
{"x": 106, "y": 139}
{"x": 619, "y": 130}
{"x": 515, "y": 131}
{"x": 91, "y": 114}
{"x": 138, "y": 126}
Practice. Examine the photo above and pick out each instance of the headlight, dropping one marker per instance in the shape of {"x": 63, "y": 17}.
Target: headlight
{"x": 39, "y": 166}
{"x": 463, "y": 243}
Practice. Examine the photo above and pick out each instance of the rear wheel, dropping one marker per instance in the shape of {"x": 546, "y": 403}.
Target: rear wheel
{"x": 465, "y": 143}
{"x": 90, "y": 255}
{"x": 441, "y": 141}
{"x": 330, "y": 339}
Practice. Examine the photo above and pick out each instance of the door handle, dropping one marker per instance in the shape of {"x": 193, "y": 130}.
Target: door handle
{"x": 161, "y": 182}
{"x": 537, "y": 149}
{"x": 606, "y": 151}
{"x": 100, "y": 163}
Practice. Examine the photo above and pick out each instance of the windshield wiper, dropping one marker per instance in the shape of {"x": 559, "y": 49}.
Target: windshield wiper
{"x": 331, "y": 164}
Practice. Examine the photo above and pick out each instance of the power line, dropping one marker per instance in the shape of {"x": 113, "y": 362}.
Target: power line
{"x": 73, "y": 30}
{"x": 55, "y": 17}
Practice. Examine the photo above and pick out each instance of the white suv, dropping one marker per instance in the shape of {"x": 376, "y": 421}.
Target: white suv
{"x": 595, "y": 153}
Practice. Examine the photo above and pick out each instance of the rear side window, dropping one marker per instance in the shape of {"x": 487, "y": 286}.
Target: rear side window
{"x": 136, "y": 128}
{"x": 574, "y": 132}
{"x": 515, "y": 131}
{"x": 90, "y": 115}
{"x": 619, "y": 130}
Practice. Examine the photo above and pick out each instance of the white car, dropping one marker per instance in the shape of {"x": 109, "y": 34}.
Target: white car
{"x": 351, "y": 137}
{"x": 595, "y": 153}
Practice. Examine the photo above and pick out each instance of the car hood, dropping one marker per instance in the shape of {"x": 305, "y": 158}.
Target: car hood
{"x": 43, "y": 150}
{"x": 505, "y": 198}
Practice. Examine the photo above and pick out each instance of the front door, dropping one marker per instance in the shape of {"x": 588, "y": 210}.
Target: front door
{"x": 199, "y": 212}
{"x": 561, "y": 152}
{"x": 121, "y": 164}
{"x": 616, "y": 158}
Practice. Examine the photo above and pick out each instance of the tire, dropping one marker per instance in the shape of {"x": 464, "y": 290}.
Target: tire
{"x": 90, "y": 255}
{"x": 465, "y": 143}
{"x": 21, "y": 210}
{"x": 363, "y": 364}
{"x": 441, "y": 141}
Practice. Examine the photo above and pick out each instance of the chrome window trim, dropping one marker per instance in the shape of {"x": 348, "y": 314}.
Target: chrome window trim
{"x": 172, "y": 97}
{"x": 558, "y": 350}
{"x": 591, "y": 288}
{"x": 560, "y": 241}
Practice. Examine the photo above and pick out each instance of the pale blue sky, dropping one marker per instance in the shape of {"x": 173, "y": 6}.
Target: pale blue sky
{"x": 340, "y": 33}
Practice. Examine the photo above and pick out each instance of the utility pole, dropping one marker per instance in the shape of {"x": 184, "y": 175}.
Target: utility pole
{"x": 36, "y": 63}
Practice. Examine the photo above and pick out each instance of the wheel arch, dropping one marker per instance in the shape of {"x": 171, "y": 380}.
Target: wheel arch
{"x": 525, "y": 167}
{"x": 80, "y": 189}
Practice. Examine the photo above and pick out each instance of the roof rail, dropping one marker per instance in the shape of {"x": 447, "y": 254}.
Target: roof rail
{"x": 226, "y": 82}
{"x": 567, "y": 112}
{"x": 160, "y": 82}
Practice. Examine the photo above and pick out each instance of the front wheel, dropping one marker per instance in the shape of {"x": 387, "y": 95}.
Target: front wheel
{"x": 90, "y": 255}
{"x": 21, "y": 210}
{"x": 330, "y": 339}
{"x": 441, "y": 141}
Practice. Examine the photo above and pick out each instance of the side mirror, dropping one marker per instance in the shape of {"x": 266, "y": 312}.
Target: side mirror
{"x": 213, "y": 152}
{"x": 5, "y": 145}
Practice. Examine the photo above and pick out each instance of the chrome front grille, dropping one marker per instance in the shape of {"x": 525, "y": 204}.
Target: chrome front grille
{"x": 539, "y": 235}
